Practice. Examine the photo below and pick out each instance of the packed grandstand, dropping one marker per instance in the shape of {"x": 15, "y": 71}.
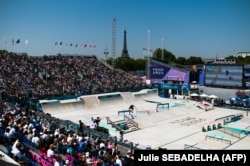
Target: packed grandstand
{"x": 33, "y": 138}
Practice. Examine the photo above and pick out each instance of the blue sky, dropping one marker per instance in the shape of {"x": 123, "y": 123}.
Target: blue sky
{"x": 203, "y": 28}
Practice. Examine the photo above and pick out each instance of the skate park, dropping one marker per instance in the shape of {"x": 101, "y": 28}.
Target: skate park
{"x": 160, "y": 122}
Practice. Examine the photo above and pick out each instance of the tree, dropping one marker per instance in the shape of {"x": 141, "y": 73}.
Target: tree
{"x": 167, "y": 55}
{"x": 3, "y": 52}
{"x": 194, "y": 60}
{"x": 240, "y": 60}
{"x": 181, "y": 61}
{"x": 140, "y": 64}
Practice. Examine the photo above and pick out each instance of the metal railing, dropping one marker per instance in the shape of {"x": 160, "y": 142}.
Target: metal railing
{"x": 218, "y": 138}
{"x": 131, "y": 121}
{"x": 113, "y": 124}
{"x": 230, "y": 132}
{"x": 191, "y": 147}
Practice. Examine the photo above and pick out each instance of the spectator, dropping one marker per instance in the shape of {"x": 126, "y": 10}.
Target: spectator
{"x": 67, "y": 163}
{"x": 97, "y": 121}
{"x": 58, "y": 161}
{"x": 36, "y": 139}
{"x": 50, "y": 151}
{"x": 81, "y": 125}
{"x": 118, "y": 160}
{"x": 19, "y": 153}
{"x": 93, "y": 124}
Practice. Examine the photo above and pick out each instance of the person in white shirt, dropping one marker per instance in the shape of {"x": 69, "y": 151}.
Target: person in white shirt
{"x": 59, "y": 161}
{"x": 50, "y": 151}
{"x": 118, "y": 161}
{"x": 15, "y": 148}
{"x": 36, "y": 139}
{"x": 70, "y": 138}
{"x": 102, "y": 145}
{"x": 17, "y": 152}
{"x": 93, "y": 124}
{"x": 57, "y": 132}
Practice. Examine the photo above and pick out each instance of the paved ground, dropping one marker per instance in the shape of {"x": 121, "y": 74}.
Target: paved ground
{"x": 173, "y": 128}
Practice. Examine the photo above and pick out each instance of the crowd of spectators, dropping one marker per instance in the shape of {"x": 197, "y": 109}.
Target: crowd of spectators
{"x": 23, "y": 76}
{"x": 24, "y": 130}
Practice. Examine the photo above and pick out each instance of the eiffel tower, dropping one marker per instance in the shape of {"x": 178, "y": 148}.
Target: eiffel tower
{"x": 125, "y": 50}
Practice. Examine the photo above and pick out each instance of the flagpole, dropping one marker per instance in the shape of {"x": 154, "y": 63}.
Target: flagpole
{"x": 162, "y": 52}
{"x": 17, "y": 43}
{"x": 148, "y": 59}
{"x": 81, "y": 48}
{"x": 56, "y": 44}
{"x": 26, "y": 43}
{"x": 4, "y": 42}
{"x": 148, "y": 42}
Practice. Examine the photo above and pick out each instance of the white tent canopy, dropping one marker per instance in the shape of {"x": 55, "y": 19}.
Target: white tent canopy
{"x": 194, "y": 94}
{"x": 213, "y": 96}
{"x": 203, "y": 95}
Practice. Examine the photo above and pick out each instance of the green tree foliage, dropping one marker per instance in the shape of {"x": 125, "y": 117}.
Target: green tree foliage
{"x": 247, "y": 60}
{"x": 240, "y": 60}
{"x": 140, "y": 64}
{"x": 3, "y": 52}
{"x": 181, "y": 61}
{"x": 167, "y": 55}
{"x": 194, "y": 60}
{"x": 128, "y": 64}
{"x": 170, "y": 57}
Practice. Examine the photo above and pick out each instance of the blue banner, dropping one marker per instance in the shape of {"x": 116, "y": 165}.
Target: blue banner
{"x": 157, "y": 71}
{"x": 172, "y": 86}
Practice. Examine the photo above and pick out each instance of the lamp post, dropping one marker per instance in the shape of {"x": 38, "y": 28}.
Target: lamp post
{"x": 106, "y": 54}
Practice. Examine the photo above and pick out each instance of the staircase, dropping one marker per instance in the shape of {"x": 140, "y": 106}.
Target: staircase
{"x": 126, "y": 125}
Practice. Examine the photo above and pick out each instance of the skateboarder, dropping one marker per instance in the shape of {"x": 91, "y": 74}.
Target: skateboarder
{"x": 131, "y": 109}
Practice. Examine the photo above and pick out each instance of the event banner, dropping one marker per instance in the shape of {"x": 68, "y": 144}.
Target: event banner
{"x": 157, "y": 71}
{"x": 191, "y": 157}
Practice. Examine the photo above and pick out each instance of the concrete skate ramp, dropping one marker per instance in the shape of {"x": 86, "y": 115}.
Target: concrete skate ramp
{"x": 146, "y": 93}
{"x": 128, "y": 96}
{"x": 157, "y": 129}
{"x": 91, "y": 102}
{"x": 150, "y": 96}
{"x": 101, "y": 105}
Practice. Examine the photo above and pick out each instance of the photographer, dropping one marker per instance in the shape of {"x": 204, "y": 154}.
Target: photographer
{"x": 97, "y": 121}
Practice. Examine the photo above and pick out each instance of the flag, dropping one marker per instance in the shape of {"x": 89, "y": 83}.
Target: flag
{"x": 18, "y": 41}
{"x": 55, "y": 43}
{"x": 26, "y": 41}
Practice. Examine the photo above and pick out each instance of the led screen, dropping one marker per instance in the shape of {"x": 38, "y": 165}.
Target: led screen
{"x": 247, "y": 75}
{"x": 224, "y": 75}
{"x": 247, "y": 70}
